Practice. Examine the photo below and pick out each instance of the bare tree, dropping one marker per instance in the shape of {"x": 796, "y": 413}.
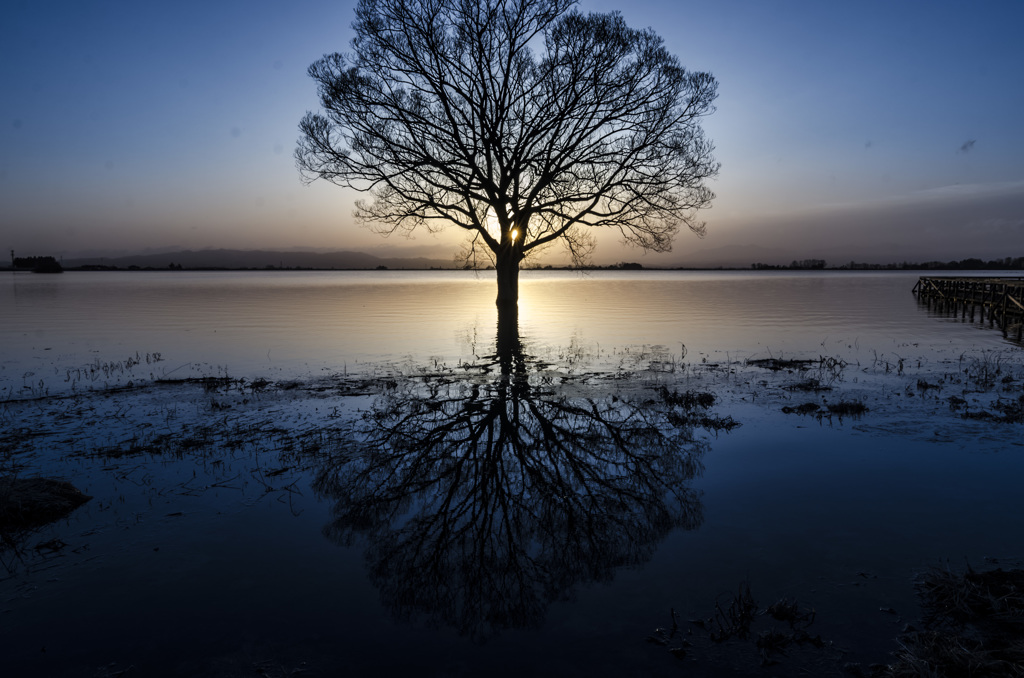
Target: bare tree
{"x": 523, "y": 122}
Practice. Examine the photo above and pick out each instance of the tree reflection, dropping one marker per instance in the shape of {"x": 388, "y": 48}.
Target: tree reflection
{"x": 485, "y": 495}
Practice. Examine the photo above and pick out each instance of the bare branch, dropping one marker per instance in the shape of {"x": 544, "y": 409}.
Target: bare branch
{"x": 555, "y": 121}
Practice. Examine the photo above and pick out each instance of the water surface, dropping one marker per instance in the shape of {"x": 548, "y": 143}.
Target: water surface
{"x": 301, "y": 323}
{"x": 356, "y": 512}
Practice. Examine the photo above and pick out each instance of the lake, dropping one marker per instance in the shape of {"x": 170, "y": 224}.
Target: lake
{"x": 301, "y": 323}
{"x": 354, "y": 473}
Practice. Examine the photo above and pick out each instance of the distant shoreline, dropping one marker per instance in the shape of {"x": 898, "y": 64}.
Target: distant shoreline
{"x": 773, "y": 269}
{"x": 261, "y": 260}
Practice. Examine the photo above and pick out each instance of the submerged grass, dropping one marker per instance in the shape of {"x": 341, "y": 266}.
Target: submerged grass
{"x": 691, "y": 409}
{"x": 779, "y": 364}
{"x": 1005, "y": 411}
{"x": 808, "y": 385}
{"x": 28, "y": 503}
{"x": 973, "y": 626}
{"x": 842, "y": 408}
{"x": 848, "y": 408}
{"x": 750, "y": 635}
{"x": 804, "y": 408}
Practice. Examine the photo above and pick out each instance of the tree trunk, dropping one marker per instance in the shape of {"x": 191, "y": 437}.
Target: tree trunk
{"x": 507, "y": 267}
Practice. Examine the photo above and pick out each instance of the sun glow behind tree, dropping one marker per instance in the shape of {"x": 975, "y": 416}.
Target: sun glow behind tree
{"x": 521, "y": 114}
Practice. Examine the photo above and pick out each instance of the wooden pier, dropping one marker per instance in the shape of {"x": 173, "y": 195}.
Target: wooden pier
{"x": 998, "y": 300}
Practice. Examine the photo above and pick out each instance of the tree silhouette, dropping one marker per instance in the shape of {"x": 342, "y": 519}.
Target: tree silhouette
{"x": 481, "y": 496}
{"x": 523, "y": 122}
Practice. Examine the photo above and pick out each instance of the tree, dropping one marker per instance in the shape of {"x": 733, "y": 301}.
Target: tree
{"x": 523, "y": 122}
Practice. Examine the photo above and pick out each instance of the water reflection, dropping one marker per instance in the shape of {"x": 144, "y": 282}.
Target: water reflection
{"x": 485, "y": 494}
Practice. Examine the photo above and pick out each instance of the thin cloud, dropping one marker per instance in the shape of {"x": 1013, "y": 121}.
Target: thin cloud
{"x": 952, "y": 192}
{"x": 967, "y": 146}
{"x": 958, "y": 190}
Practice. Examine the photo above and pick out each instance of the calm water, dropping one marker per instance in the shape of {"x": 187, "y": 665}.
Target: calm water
{"x": 300, "y": 324}
{"x": 309, "y": 550}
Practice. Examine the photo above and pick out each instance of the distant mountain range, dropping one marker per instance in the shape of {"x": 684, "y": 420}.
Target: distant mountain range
{"x": 260, "y": 259}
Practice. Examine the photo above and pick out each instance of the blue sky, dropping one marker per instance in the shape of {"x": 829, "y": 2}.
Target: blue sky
{"x": 869, "y": 130}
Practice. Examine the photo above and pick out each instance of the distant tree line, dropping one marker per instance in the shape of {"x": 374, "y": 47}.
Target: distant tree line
{"x": 32, "y": 262}
{"x": 621, "y": 266}
{"x": 1005, "y": 264}
{"x": 801, "y": 265}
{"x": 38, "y": 264}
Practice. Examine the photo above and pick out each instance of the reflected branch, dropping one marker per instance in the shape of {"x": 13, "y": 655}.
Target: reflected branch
{"x": 483, "y": 496}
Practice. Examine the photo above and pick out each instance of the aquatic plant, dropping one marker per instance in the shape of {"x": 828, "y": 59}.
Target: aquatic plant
{"x": 1006, "y": 412}
{"x": 973, "y": 625}
{"x": 738, "y": 617}
{"x": 805, "y": 408}
{"x": 847, "y": 408}
{"x": 26, "y": 503}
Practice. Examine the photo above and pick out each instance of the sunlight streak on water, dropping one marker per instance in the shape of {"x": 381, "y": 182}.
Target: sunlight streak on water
{"x": 299, "y": 323}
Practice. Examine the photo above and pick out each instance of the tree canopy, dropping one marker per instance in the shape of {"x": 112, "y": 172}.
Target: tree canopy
{"x": 523, "y": 122}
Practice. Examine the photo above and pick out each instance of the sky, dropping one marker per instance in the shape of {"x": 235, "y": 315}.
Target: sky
{"x": 867, "y": 131}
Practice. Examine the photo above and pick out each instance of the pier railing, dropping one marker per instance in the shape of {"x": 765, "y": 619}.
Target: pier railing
{"x": 998, "y": 300}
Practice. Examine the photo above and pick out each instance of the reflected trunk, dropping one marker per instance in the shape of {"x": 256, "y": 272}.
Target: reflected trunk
{"x": 508, "y": 345}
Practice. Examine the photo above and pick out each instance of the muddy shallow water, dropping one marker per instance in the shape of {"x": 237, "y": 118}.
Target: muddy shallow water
{"x": 470, "y": 506}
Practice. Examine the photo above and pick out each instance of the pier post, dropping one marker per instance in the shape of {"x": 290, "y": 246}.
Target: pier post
{"x": 998, "y": 300}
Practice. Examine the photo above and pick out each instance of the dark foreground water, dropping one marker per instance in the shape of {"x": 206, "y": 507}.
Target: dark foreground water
{"x": 354, "y": 474}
